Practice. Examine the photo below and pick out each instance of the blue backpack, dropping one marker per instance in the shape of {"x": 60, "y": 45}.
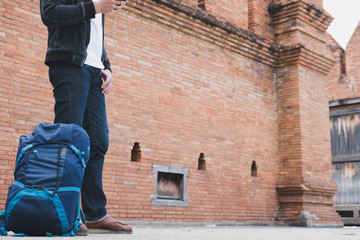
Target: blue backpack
{"x": 45, "y": 197}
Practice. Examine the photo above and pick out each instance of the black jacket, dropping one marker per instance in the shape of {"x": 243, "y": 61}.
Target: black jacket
{"x": 68, "y": 24}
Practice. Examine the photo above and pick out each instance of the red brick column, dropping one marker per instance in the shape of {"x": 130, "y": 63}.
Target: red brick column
{"x": 305, "y": 186}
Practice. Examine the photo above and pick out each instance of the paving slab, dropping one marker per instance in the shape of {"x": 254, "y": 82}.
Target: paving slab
{"x": 224, "y": 233}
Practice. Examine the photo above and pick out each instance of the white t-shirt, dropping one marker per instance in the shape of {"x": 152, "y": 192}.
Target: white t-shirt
{"x": 94, "y": 49}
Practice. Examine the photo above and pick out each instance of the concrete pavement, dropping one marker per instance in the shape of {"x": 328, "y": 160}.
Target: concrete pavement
{"x": 226, "y": 233}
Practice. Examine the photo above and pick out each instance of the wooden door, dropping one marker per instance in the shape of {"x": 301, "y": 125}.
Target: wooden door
{"x": 345, "y": 147}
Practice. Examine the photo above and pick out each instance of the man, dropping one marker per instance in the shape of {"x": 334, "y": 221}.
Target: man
{"x": 80, "y": 73}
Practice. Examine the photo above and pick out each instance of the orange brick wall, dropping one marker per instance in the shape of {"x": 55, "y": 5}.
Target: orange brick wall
{"x": 259, "y": 19}
{"x": 178, "y": 96}
{"x": 338, "y": 87}
{"x": 313, "y": 85}
{"x": 338, "y": 82}
{"x": 352, "y": 57}
{"x": 25, "y": 93}
{"x": 233, "y": 11}
{"x": 317, "y": 3}
{"x": 305, "y": 160}
{"x": 183, "y": 86}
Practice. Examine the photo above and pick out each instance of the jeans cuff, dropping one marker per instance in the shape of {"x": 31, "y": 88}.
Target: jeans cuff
{"x": 97, "y": 220}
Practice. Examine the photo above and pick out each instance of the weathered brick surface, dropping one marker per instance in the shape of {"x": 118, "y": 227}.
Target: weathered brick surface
{"x": 231, "y": 10}
{"x": 317, "y": 3}
{"x": 353, "y": 56}
{"x": 305, "y": 169}
{"x": 25, "y": 93}
{"x": 187, "y": 81}
{"x": 198, "y": 95}
{"x": 343, "y": 80}
{"x": 259, "y": 20}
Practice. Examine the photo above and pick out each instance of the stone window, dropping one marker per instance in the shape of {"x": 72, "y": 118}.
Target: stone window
{"x": 170, "y": 186}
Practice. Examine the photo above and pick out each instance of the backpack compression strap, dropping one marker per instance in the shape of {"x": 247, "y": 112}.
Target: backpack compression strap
{"x": 23, "y": 151}
{"x": 76, "y": 224}
{"x": 80, "y": 154}
{"x": 3, "y": 231}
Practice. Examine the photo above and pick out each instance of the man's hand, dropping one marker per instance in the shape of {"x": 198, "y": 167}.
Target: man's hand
{"x": 108, "y": 83}
{"x": 107, "y": 6}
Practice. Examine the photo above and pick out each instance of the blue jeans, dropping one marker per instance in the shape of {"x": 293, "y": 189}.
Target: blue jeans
{"x": 78, "y": 99}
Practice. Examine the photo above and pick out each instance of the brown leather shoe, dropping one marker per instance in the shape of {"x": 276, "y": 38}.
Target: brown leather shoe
{"x": 83, "y": 231}
{"x": 110, "y": 225}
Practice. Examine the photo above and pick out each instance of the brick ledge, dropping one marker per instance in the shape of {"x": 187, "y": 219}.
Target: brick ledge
{"x": 174, "y": 14}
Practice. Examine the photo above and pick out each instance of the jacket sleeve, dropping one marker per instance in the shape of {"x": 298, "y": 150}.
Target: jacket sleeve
{"x": 56, "y": 13}
{"x": 104, "y": 58}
